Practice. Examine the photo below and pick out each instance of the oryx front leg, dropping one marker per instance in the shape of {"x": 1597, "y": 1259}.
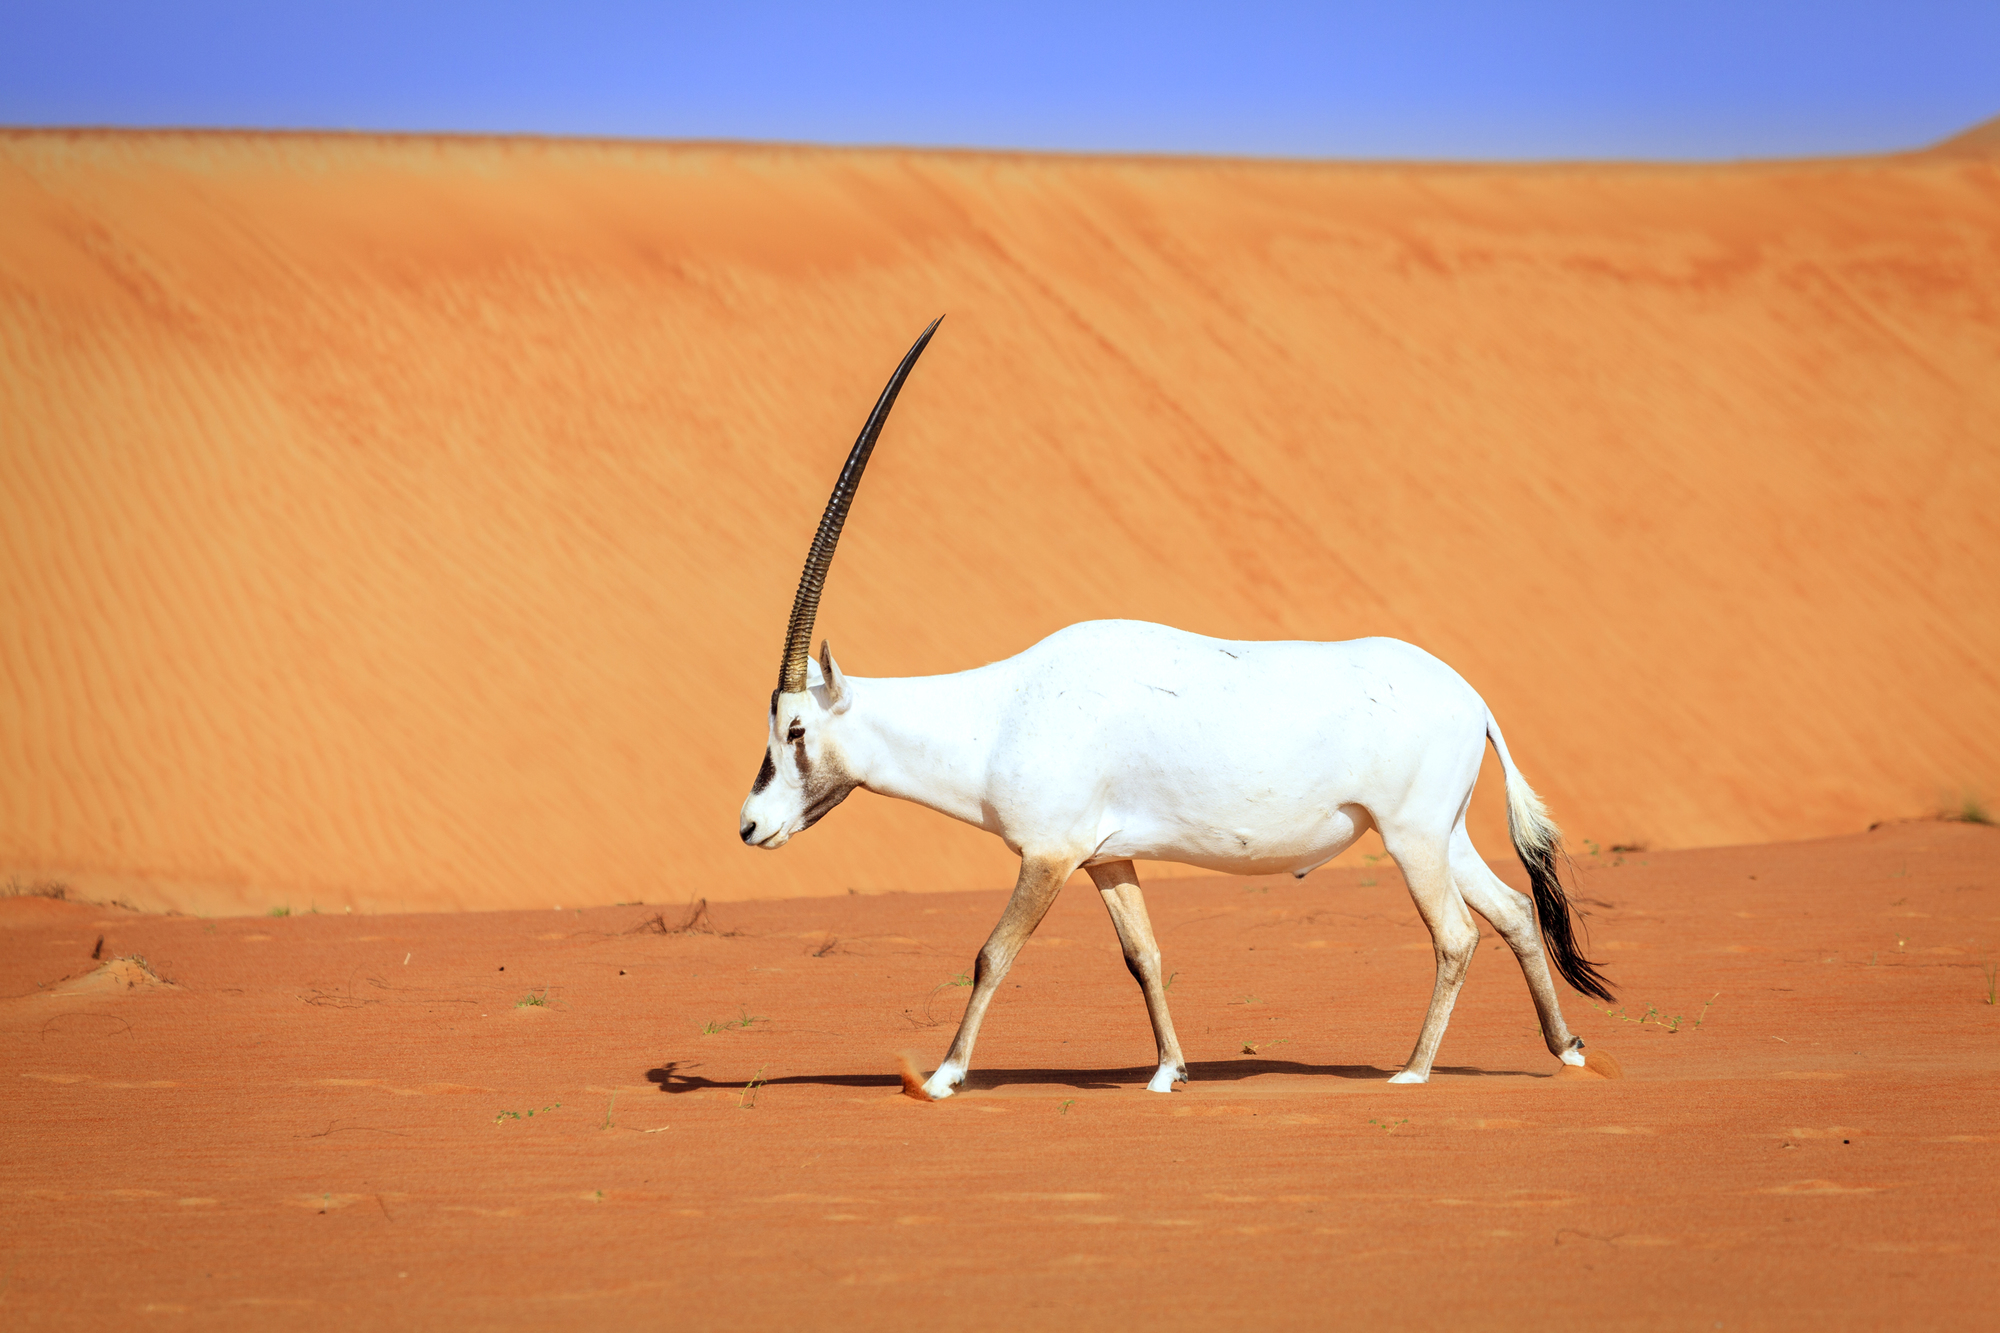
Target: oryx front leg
{"x": 1454, "y": 939}
{"x": 1041, "y": 879}
{"x": 1118, "y": 882}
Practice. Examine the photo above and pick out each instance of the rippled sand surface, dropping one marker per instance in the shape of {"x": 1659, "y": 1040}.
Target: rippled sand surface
{"x": 411, "y": 523}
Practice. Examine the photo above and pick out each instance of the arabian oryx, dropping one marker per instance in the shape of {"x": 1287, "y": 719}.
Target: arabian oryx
{"x": 1115, "y": 739}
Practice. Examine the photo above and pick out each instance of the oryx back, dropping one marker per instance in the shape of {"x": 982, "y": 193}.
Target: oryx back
{"x": 1138, "y": 740}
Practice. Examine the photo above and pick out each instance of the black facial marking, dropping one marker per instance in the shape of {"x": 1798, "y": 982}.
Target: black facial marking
{"x": 823, "y": 785}
{"x": 799, "y": 758}
{"x": 833, "y": 796}
{"x": 774, "y": 703}
{"x": 765, "y": 773}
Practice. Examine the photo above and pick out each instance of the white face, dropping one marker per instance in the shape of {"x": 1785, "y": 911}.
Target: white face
{"x": 802, "y": 776}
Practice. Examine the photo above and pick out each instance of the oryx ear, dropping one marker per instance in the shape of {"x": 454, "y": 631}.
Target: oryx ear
{"x": 838, "y": 697}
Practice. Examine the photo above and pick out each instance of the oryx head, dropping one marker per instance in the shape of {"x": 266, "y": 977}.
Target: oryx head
{"x": 802, "y": 776}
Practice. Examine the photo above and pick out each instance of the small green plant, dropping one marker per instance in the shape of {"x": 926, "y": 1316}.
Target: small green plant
{"x": 1252, "y": 1047}
{"x": 748, "y": 1101}
{"x": 1971, "y": 810}
{"x": 534, "y": 999}
{"x": 1390, "y": 1126}
{"x": 607, "y": 1122}
{"x": 524, "y": 1115}
{"x": 962, "y": 979}
{"x": 712, "y": 1027}
{"x": 1992, "y": 971}
{"x": 279, "y": 911}
{"x": 1653, "y": 1015}
{"x": 1064, "y": 1108}
{"x": 1170, "y": 981}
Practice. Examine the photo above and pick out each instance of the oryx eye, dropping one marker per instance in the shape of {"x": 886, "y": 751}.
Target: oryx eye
{"x": 797, "y": 733}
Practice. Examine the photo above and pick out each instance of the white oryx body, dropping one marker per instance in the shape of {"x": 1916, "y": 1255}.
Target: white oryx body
{"x": 1115, "y": 739}
{"x": 1118, "y": 740}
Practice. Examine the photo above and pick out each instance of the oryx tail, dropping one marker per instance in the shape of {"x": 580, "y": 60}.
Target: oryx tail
{"x": 1538, "y": 842}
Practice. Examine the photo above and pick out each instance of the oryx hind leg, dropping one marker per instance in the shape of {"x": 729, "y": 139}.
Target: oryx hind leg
{"x": 1118, "y": 883}
{"x": 1424, "y": 860}
{"x": 1513, "y": 916}
{"x": 1040, "y": 881}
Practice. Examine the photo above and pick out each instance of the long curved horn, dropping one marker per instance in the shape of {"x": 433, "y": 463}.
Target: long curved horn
{"x": 798, "y": 638}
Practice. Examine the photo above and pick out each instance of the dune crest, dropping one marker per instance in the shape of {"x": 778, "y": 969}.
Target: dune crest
{"x": 1982, "y": 139}
{"x": 410, "y": 523}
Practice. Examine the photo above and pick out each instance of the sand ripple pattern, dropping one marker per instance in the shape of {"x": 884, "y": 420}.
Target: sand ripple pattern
{"x": 411, "y": 523}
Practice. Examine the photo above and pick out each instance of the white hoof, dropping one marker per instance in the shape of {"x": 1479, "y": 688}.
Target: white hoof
{"x": 1573, "y": 1056}
{"x": 944, "y": 1082}
{"x": 1410, "y": 1076}
{"x": 1164, "y": 1080}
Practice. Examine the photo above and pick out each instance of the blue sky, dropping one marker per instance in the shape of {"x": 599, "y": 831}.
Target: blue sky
{"x": 1661, "y": 79}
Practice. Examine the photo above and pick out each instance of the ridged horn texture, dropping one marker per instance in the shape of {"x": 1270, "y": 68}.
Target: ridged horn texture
{"x": 798, "y": 638}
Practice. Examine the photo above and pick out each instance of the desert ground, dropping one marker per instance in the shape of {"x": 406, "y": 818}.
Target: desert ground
{"x": 398, "y": 535}
{"x": 601, "y": 1118}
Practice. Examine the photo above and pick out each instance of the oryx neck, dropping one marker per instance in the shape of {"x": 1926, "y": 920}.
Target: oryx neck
{"x": 925, "y": 739}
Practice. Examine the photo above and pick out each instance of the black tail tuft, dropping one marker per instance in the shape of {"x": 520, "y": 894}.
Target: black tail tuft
{"x": 1552, "y": 906}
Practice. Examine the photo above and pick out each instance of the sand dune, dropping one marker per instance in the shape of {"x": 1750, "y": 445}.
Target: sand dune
{"x": 412, "y": 522}
{"x": 1983, "y": 138}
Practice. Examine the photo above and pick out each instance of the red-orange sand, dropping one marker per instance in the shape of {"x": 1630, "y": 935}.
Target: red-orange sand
{"x": 353, "y": 1122}
{"x": 410, "y": 524}
{"x": 404, "y": 525}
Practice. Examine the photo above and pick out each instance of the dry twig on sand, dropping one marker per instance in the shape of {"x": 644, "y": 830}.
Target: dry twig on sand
{"x": 696, "y": 921}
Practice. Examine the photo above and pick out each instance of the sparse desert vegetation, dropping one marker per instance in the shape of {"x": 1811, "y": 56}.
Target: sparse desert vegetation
{"x": 376, "y": 1074}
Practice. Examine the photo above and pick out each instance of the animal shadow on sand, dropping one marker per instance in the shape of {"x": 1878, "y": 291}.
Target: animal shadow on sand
{"x": 677, "y": 1076}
